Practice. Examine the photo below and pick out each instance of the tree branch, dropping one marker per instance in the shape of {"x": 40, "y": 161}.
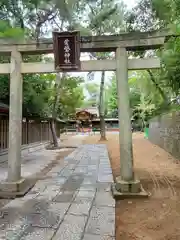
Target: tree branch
{"x": 157, "y": 85}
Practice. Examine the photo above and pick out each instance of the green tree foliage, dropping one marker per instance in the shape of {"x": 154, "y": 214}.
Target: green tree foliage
{"x": 9, "y": 32}
{"x": 143, "y": 17}
{"x": 30, "y": 19}
{"x": 93, "y": 94}
{"x": 36, "y": 92}
{"x": 29, "y": 15}
{"x": 71, "y": 96}
{"x": 39, "y": 95}
{"x": 159, "y": 86}
{"x": 170, "y": 70}
{"x": 143, "y": 94}
{"x": 112, "y": 102}
{"x": 134, "y": 95}
{"x": 168, "y": 12}
{"x": 105, "y": 17}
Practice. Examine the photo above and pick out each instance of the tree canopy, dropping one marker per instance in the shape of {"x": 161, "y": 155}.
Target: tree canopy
{"x": 36, "y": 18}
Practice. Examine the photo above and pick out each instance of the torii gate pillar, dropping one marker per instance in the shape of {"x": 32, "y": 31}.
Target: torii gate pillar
{"x": 15, "y": 185}
{"x": 126, "y": 185}
{"x": 15, "y": 118}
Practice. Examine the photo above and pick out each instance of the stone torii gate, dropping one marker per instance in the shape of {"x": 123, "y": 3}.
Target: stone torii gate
{"x": 126, "y": 185}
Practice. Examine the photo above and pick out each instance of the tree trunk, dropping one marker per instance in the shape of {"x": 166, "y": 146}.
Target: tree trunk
{"x": 101, "y": 109}
{"x": 53, "y": 131}
{"x": 54, "y": 110}
{"x": 163, "y": 95}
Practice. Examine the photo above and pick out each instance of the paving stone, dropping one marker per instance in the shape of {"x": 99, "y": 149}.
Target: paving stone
{"x": 104, "y": 187}
{"x": 60, "y": 180}
{"x": 66, "y": 172}
{"x": 42, "y": 198}
{"x": 97, "y": 237}
{"x": 88, "y": 187}
{"x": 12, "y": 228}
{"x": 105, "y": 178}
{"x": 101, "y": 221}
{"x": 16, "y": 203}
{"x": 81, "y": 208}
{"x": 38, "y": 234}
{"x": 104, "y": 199}
{"x": 105, "y": 171}
{"x": 59, "y": 208}
{"x": 69, "y": 160}
{"x": 52, "y": 188}
{"x": 85, "y": 195}
{"x": 44, "y": 220}
{"x": 93, "y": 173}
{"x": 50, "y": 192}
{"x": 82, "y": 164}
{"x": 81, "y": 170}
{"x": 73, "y": 183}
{"x": 49, "y": 196}
{"x": 89, "y": 180}
{"x": 92, "y": 167}
{"x": 105, "y": 167}
{"x": 58, "y": 168}
{"x": 29, "y": 196}
{"x": 39, "y": 187}
{"x": 43, "y": 184}
{"x": 72, "y": 228}
{"x": 66, "y": 196}
{"x": 90, "y": 174}
{"x": 71, "y": 166}
{"x": 78, "y": 193}
{"x": 52, "y": 174}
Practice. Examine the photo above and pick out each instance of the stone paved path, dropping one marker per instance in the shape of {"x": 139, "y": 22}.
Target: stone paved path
{"x": 34, "y": 162}
{"x": 72, "y": 203}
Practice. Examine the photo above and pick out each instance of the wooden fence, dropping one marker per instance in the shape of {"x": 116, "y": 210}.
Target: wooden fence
{"x": 32, "y": 131}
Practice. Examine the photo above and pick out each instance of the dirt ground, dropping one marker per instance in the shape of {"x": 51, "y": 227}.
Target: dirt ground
{"x": 155, "y": 218}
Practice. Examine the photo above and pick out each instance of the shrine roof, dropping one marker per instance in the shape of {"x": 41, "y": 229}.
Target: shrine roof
{"x": 91, "y": 110}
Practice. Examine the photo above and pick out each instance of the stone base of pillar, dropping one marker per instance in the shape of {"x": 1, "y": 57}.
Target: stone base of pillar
{"x": 12, "y": 190}
{"x": 131, "y": 189}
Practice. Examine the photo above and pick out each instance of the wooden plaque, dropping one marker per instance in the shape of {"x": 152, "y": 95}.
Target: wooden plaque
{"x": 67, "y": 50}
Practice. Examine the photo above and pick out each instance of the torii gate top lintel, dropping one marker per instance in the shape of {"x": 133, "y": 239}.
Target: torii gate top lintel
{"x": 131, "y": 41}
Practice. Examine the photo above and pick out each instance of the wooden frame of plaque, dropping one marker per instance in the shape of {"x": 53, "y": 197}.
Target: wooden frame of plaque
{"x": 67, "y": 51}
